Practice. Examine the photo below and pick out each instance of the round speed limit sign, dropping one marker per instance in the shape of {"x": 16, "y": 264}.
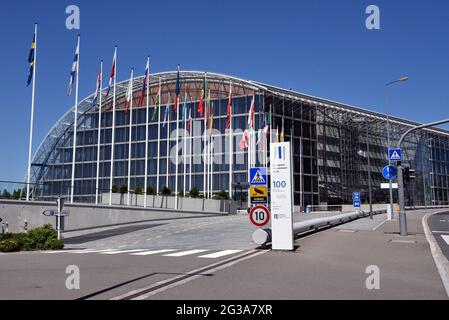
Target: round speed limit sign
{"x": 260, "y": 216}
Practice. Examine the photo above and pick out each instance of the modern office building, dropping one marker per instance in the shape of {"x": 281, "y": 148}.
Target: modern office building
{"x": 332, "y": 144}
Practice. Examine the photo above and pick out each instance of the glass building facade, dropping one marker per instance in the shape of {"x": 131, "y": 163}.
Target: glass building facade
{"x": 331, "y": 144}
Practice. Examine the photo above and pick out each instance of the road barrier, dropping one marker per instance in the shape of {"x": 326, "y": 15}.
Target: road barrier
{"x": 263, "y": 236}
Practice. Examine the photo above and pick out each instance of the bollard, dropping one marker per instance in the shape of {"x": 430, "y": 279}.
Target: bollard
{"x": 6, "y": 227}
{"x": 25, "y": 226}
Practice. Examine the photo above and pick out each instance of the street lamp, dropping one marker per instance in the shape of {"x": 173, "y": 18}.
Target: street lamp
{"x": 402, "y": 79}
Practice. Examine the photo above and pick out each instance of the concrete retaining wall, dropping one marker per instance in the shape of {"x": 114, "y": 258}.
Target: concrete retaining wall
{"x": 81, "y": 215}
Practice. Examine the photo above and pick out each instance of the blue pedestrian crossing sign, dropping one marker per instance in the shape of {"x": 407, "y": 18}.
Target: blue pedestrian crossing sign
{"x": 356, "y": 199}
{"x": 258, "y": 176}
{"x": 395, "y": 154}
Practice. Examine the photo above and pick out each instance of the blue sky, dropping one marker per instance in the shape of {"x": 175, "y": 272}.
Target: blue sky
{"x": 317, "y": 47}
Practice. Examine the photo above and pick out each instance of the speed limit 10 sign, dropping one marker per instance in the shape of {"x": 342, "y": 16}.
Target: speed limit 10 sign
{"x": 260, "y": 216}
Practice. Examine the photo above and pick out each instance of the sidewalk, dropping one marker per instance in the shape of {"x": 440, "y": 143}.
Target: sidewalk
{"x": 331, "y": 265}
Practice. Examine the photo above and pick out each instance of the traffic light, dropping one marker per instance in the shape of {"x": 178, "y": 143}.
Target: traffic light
{"x": 409, "y": 174}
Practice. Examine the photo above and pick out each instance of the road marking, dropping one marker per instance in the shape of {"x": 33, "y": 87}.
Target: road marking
{"x": 445, "y": 238}
{"x": 184, "y": 253}
{"x": 122, "y": 251}
{"x": 404, "y": 241}
{"x": 143, "y": 293}
{"x": 440, "y": 231}
{"x": 442, "y": 220}
{"x": 90, "y": 251}
{"x": 220, "y": 254}
{"x": 147, "y": 253}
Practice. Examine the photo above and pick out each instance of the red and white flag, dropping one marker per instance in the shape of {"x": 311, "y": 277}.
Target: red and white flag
{"x": 113, "y": 72}
{"x": 244, "y": 143}
{"x": 129, "y": 92}
{"x": 251, "y": 114}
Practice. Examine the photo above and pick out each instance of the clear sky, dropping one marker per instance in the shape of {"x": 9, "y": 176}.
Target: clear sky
{"x": 316, "y": 47}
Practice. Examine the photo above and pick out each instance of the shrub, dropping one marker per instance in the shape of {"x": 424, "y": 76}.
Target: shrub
{"x": 39, "y": 238}
{"x": 222, "y": 195}
{"x": 194, "y": 193}
{"x": 9, "y": 245}
{"x": 114, "y": 189}
{"x": 124, "y": 189}
{"x": 150, "y": 190}
{"x": 53, "y": 244}
{"x": 166, "y": 191}
{"x": 138, "y": 190}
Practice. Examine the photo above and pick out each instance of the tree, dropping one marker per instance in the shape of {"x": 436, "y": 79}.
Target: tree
{"x": 124, "y": 189}
{"x": 16, "y": 194}
{"x": 166, "y": 191}
{"x": 6, "y": 194}
{"x": 150, "y": 190}
{"x": 194, "y": 193}
{"x": 114, "y": 189}
{"x": 138, "y": 190}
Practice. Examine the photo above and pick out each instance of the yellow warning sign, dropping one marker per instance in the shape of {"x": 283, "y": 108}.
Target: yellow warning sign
{"x": 257, "y": 192}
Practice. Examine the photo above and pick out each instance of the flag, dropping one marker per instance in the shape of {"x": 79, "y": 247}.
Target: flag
{"x": 251, "y": 114}
{"x": 259, "y": 136}
{"x": 282, "y": 137}
{"x": 189, "y": 121}
{"x": 31, "y": 60}
{"x": 74, "y": 69}
{"x": 244, "y": 143}
{"x": 146, "y": 82}
{"x": 184, "y": 108}
{"x": 266, "y": 131}
{"x": 211, "y": 118}
{"x": 98, "y": 89}
{"x": 166, "y": 112}
{"x": 208, "y": 108}
{"x": 158, "y": 99}
{"x": 113, "y": 72}
{"x": 203, "y": 94}
{"x": 129, "y": 92}
{"x": 177, "y": 91}
{"x": 228, "y": 119}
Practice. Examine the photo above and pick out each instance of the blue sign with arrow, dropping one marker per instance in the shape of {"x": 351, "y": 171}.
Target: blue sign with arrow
{"x": 356, "y": 198}
{"x": 390, "y": 172}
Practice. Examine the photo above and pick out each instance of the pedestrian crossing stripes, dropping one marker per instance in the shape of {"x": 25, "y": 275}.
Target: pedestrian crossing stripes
{"x": 170, "y": 253}
{"x": 445, "y": 238}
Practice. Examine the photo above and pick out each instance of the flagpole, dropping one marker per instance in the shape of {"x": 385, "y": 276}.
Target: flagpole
{"x": 158, "y": 135}
{"x": 97, "y": 182}
{"x": 30, "y": 147}
{"x": 205, "y": 142}
{"x": 130, "y": 137}
{"x": 111, "y": 177}
{"x": 185, "y": 143}
{"x": 72, "y": 187}
{"x": 191, "y": 151}
{"x": 168, "y": 144}
{"x": 231, "y": 150}
{"x": 177, "y": 154}
{"x": 147, "y": 134}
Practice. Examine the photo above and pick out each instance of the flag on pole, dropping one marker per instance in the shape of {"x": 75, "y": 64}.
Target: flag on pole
{"x": 146, "y": 82}
{"x": 208, "y": 108}
{"x": 282, "y": 137}
{"x": 211, "y": 118}
{"x": 184, "y": 108}
{"x": 74, "y": 70}
{"x": 167, "y": 108}
{"x": 244, "y": 143}
{"x": 189, "y": 121}
{"x": 98, "y": 89}
{"x": 177, "y": 91}
{"x": 158, "y": 100}
{"x": 251, "y": 113}
{"x": 113, "y": 72}
{"x": 228, "y": 119}
{"x": 259, "y": 136}
{"x": 266, "y": 131}
{"x": 203, "y": 95}
{"x": 129, "y": 92}
{"x": 31, "y": 60}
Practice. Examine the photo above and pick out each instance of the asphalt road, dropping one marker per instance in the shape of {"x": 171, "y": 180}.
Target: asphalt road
{"x": 213, "y": 258}
{"x": 439, "y": 225}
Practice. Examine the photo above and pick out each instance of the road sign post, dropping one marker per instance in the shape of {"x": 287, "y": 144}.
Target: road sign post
{"x": 60, "y": 206}
{"x": 356, "y": 198}
{"x": 281, "y": 196}
{"x": 259, "y": 216}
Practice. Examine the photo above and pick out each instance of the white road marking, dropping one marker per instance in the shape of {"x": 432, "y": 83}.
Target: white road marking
{"x": 147, "y": 253}
{"x": 440, "y": 231}
{"x": 90, "y": 251}
{"x": 220, "y": 254}
{"x": 122, "y": 251}
{"x": 184, "y": 253}
{"x": 445, "y": 238}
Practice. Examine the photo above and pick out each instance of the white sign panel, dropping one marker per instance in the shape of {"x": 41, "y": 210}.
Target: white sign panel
{"x": 387, "y": 186}
{"x": 281, "y": 196}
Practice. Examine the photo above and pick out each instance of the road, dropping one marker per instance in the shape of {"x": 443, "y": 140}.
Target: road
{"x": 439, "y": 225}
{"x": 213, "y": 258}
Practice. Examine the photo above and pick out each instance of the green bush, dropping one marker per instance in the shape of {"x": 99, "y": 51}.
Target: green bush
{"x": 114, "y": 189}
{"x": 194, "y": 193}
{"x": 166, "y": 191}
{"x": 124, "y": 189}
{"x": 53, "y": 244}
{"x": 138, "y": 190}
{"x": 9, "y": 245}
{"x": 150, "y": 191}
{"x": 40, "y": 238}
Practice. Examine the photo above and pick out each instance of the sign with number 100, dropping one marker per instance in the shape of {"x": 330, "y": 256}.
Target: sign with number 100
{"x": 279, "y": 184}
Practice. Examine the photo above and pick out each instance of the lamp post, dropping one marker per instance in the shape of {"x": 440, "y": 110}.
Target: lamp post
{"x": 402, "y": 79}
{"x": 368, "y": 156}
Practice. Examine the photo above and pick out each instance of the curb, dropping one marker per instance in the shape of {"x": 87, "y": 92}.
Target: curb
{"x": 440, "y": 260}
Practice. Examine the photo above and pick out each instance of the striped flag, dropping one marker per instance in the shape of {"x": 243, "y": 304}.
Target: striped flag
{"x": 244, "y": 143}
{"x": 158, "y": 99}
{"x": 32, "y": 60}
{"x": 228, "y": 119}
{"x": 98, "y": 89}
{"x": 251, "y": 113}
{"x": 129, "y": 92}
{"x": 146, "y": 82}
{"x": 203, "y": 95}
{"x": 177, "y": 91}
{"x": 74, "y": 69}
{"x": 259, "y": 136}
{"x": 113, "y": 72}
{"x": 189, "y": 121}
{"x": 167, "y": 108}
